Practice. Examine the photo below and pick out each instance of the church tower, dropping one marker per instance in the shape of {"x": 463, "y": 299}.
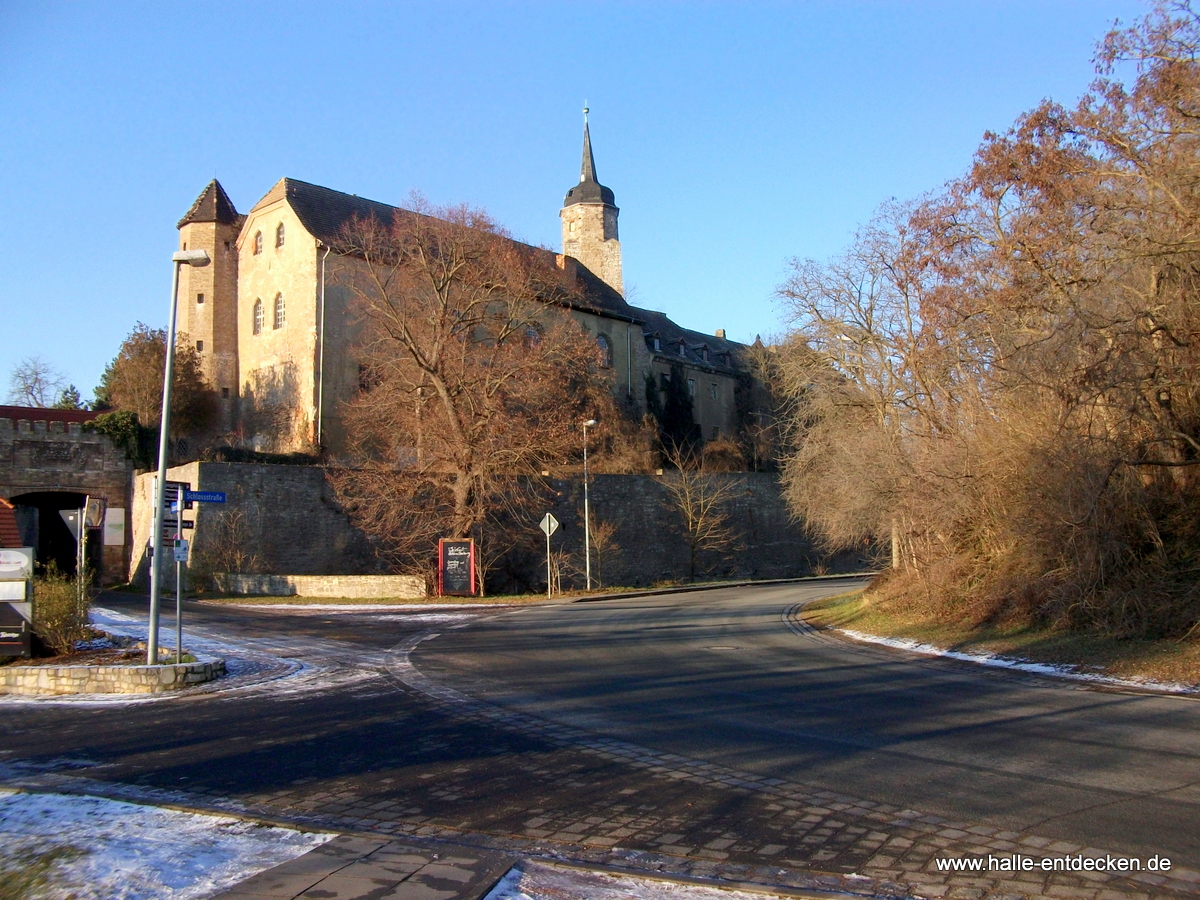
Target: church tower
{"x": 208, "y": 296}
{"x": 589, "y": 221}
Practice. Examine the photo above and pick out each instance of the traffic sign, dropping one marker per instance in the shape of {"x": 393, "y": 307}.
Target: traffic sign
{"x": 205, "y": 496}
{"x": 549, "y": 524}
{"x": 181, "y": 550}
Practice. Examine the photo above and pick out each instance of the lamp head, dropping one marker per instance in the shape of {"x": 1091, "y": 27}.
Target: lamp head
{"x": 191, "y": 257}
{"x": 590, "y": 423}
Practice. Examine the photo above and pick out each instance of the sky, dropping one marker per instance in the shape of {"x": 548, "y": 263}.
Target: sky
{"x": 735, "y": 135}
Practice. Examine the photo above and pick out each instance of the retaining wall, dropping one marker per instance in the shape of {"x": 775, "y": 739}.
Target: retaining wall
{"x": 107, "y": 679}
{"x": 405, "y": 587}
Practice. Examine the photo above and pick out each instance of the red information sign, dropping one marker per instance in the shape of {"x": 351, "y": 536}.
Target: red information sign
{"x": 456, "y": 568}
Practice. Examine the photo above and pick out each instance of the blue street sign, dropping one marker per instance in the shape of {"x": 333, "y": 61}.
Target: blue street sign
{"x": 205, "y": 496}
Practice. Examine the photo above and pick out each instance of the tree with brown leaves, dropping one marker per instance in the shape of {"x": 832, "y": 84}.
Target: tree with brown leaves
{"x": 474, "y": 378}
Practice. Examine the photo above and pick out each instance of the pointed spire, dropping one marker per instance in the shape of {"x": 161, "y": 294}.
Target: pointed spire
{"x": 587, "y": 171}
{"x": 589, "y": 190}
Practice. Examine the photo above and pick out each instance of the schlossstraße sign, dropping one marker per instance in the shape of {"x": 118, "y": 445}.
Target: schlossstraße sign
{"x": 204, "y": 496}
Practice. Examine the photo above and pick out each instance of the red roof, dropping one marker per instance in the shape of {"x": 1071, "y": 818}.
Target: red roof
{"x": 40, "y": 414}
{"x": 10, "y": 535}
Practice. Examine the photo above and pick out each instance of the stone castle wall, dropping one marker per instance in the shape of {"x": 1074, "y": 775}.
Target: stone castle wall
{"x": 39, "y": 456}
{"x": 288, "y": 521}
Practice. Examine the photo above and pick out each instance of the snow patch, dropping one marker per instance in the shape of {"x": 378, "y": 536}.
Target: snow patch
{"x": 1058, "y": 671}
{"x": 538, "y": 881}
{"x": 127, "y": 851}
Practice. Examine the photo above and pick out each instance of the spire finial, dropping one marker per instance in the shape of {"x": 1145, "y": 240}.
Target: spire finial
{"x": 587, "y": 171}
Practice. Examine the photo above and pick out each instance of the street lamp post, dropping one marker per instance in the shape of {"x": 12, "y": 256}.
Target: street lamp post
{"x": 587, "y": 519}
{"x": 190, "y": 258}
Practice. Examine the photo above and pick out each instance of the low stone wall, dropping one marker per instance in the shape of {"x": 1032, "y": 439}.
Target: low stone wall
{"x": 360, "y": 587}
{"x": 107, "y": 679}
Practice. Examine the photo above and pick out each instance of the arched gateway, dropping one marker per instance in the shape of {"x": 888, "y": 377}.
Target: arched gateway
{"x": 49, "y": 464}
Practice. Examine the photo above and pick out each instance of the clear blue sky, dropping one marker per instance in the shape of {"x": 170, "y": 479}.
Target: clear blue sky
{"x": 735, "y": 135}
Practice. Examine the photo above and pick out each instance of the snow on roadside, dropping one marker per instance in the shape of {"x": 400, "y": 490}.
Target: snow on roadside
{"x": 1019, "y": 665}
{"x": 134, "y": 852}
{"x": 538, "y": 881}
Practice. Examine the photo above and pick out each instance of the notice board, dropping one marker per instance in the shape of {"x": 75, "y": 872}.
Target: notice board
{"x": 456, "y": 568}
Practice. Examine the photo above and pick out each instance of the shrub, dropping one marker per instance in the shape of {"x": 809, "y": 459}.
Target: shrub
{"x": 60, "y": 610}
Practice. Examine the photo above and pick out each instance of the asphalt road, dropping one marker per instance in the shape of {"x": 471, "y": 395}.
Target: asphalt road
{"x": 717, "y": 676}
{"x": 699, "y": 684}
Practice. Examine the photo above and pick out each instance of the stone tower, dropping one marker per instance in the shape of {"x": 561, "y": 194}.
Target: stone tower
{"x": 589, "y": 221}
{"x": 207, "y": 317}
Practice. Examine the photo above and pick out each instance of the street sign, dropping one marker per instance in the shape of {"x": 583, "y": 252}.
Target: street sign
{"x": 16, "y": 563}
{"x": 205, "y": 496}
{"x": 181, "y": 550}
{"x": 187, "y": 523}
{"x": 549, "y": 524}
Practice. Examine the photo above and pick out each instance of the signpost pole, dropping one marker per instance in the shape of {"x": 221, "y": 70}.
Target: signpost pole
{"x": 549, "y": 582}
{"x": 179, "y": 598}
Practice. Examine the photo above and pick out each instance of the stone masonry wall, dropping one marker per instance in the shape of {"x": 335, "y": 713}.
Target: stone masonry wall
{"x": 56, "y": 456}
{"x": 285, "y": 519}
{"x": 289, "y": 523}
{"x": 651, "y": 547}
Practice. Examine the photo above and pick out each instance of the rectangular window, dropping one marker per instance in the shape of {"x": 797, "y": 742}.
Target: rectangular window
{"x": 713, "y": 390}
{"x": 224, "y": 393}
{"x": 665, "y": 379}
{"x": 199, "y": 346}
{"x": 691, "y": 387}
{"x": 199, "y": 298}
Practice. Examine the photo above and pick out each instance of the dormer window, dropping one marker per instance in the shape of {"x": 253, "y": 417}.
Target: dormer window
{"x": 279, "y": 235}
{"x": 655, "y": 343}
{"x": 682, "y": 349}
{"x": 257, "y": 243}
{"x": 704, "y": 353}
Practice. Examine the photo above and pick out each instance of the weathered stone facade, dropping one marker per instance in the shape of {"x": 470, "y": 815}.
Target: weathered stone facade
{"x": 276, "y": 519}
{"x": 41, "y": 454}
{"x": 290, "y": 525}
{"x": 276, "y": 329}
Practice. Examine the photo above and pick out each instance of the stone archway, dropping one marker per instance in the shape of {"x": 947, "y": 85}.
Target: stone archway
{"x": 44, "y": 529}
{"x": 48, "y": 462}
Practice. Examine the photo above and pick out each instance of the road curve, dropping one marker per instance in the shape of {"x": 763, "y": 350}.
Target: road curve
{"x": 721, "y": 677}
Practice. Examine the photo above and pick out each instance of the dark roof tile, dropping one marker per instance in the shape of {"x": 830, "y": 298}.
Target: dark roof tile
{"x": 213, "y": 205}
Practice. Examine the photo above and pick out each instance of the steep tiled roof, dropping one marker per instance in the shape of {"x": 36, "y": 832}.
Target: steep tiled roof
{"x": 213, "y": 205}
{"x": 723, "y": 354}
{"x": 325, "y": 212}
{"x": 10, "y": 535}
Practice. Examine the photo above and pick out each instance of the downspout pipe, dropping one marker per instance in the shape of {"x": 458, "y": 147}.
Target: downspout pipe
{"x": 321, "y": 358}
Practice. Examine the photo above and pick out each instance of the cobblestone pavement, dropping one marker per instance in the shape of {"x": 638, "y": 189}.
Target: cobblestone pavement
{"x": 447, "y": 771}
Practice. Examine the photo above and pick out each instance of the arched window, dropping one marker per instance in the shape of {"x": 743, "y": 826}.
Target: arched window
{"x": 257, "y": 243}
{"x": 279, "y": 235}
{"x": 604, "y": 351}
{"x": 280, "y": 312}
{"x": 258, "y": 316}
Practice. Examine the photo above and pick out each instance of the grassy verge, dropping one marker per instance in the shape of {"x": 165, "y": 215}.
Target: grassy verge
{"x": 25, "y": 873}
{"x": 257, "y": 600}
{"x": 1163, "y": 660}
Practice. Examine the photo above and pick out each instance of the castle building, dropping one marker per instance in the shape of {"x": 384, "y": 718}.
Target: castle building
{"x": 272, "y": 322}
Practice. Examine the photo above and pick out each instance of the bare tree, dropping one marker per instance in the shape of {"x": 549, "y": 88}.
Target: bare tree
{"x": 1001, "y": 379}
{"x": 701, "y": 497}
{"x": 474, "y": 378}
{"x": 34, "y": 382}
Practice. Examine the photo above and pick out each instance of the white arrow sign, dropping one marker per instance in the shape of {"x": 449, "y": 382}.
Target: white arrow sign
{"x": 549, "y": 524}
